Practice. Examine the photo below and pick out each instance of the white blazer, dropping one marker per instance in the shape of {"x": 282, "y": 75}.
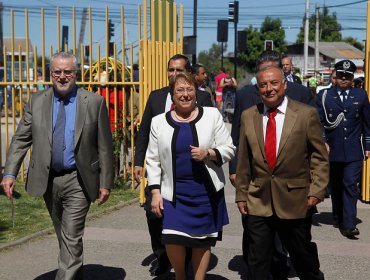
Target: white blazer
{"x": 209, "y": 131}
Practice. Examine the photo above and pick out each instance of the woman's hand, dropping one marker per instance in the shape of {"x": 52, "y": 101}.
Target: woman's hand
{"x": 157, "y": 203}
{"x": 198, "y": 154}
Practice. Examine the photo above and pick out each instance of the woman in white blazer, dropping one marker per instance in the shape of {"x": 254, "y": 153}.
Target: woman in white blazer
{"x": 186, "y": 151}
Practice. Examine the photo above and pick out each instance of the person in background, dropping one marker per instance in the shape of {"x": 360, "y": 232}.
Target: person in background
{"x": 186, "y": 151}
{"x": 159, "y": 101}
{"x": 287, "y": 66}
{"x": 221, "y": 74}
{"x": 345, "y": 115}
{"x": 200, "y": 75}
{"x": 282, "y": 161}
{"x": 71, "y": 163}
{"x": 229, "y": 86}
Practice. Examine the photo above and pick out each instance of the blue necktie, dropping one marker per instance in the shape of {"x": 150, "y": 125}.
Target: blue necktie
{"x": 58, "y": 145}
{"x": 344, "y": 96}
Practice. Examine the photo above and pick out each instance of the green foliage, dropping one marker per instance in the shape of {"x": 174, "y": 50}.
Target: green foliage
{"x": 211, "y": 59}
{"x": 354, "y": 42}
{"x": 329, "y": 28}
{"x": 271, "y": 29}
{"x": 32, "y": 216}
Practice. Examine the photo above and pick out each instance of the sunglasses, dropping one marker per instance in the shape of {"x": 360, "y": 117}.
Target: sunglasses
{"x": 346, "y": 76}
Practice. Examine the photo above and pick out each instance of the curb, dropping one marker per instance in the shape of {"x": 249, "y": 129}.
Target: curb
{"x": 50, "y": 230}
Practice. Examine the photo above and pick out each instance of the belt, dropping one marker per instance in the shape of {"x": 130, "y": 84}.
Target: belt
{"x": 62, "y": 173}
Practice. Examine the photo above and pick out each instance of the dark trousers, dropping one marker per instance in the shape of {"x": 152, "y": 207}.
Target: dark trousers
{"x": 279, "y": 263}
{"x": 294, "y": 237}
{"x": 344, "y": 180}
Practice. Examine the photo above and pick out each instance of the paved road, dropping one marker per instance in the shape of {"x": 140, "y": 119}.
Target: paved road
{"x": 117, "y": 247}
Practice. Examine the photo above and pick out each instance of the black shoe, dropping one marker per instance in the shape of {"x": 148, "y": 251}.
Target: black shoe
{"x": 159, "y": 268}
{"x": 349, "y": 232}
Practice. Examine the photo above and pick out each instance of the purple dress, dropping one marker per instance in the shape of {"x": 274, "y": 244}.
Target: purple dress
{"x": 196, "y": 216}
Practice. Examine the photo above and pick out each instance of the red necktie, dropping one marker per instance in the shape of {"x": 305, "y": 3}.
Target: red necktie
{"x": 270, "y": 139}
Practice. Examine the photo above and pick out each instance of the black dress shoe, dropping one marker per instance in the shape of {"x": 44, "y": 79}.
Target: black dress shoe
{"x": 159, "y": 268}
{"x": 349, "y": 232}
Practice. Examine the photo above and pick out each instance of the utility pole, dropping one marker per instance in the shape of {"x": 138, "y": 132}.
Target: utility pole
{"x": 82, "y": 34}
{"x": 317, "y": 30}
{"x": 234, "y": 17}
{"x": 1, "y": 35}
{"x": 194, "y": 57}
{"x": 306, "y": 29}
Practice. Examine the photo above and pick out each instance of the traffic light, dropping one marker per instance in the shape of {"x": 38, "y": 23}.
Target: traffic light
{"x": 233, "y": 11}
{"x": 269, "y": 45}
{"x": 110, "y": 30}
{"x": 87, "y": 51}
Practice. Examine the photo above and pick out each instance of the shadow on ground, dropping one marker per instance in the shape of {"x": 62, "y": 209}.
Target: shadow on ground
{"x": 92, "y": 272}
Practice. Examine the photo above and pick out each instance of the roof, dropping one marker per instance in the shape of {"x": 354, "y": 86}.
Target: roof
{"x": 18, "y": 42}
{"x": 338, "y": 50}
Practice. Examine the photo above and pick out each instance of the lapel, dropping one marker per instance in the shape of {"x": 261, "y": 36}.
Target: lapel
{"x": 82, "y": 102}
{"x": 258, "y": 127}
{"x": 48, "y": 113}
{"x": 289, "y": 121}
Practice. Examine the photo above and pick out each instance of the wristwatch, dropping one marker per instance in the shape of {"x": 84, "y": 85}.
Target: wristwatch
{"x": 208, "y": 155}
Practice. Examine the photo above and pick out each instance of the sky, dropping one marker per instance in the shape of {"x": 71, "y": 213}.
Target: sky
{"x": 351, "y": 14}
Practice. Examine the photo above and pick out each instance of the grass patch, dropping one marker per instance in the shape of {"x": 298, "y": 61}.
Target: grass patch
{"x": 31, "y": 215}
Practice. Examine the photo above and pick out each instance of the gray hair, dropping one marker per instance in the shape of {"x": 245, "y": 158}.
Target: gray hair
{"x": 64, "y": 55}
{"x": 263, "y": 69}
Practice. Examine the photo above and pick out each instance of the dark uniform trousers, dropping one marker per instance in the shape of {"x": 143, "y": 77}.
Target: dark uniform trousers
{"x": 345, "y": 179}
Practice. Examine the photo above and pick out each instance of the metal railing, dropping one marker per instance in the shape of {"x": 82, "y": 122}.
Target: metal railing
{"x": 103, "y": 73}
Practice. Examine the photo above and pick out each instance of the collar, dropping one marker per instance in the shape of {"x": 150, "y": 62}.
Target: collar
{"x": 71, "y": 97}
{"x": 281, "y": 108}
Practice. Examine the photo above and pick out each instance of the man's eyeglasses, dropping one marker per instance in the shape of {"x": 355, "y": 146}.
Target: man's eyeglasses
{"x": 67, "y": 73}
{"x": 345, "y": 76}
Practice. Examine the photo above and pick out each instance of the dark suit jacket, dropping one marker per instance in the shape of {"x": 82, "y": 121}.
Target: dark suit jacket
{"x": 249, "y": 96}
{"x": 156, "y": 105}
{"x": 302, "y": 165}
{"x": 92, "y": 143}
{"x": 296, "y": 79}
{"x": 345, "y": 140}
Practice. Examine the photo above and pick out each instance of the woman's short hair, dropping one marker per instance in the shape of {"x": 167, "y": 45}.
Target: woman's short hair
{"x": 188, "y": 77}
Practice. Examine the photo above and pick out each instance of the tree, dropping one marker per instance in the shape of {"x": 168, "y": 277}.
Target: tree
{"x": 354, "y": 42}
{"x": 329, "y": 28}
{"x": 211, "y": 59}
{"x": 271, "y": 29}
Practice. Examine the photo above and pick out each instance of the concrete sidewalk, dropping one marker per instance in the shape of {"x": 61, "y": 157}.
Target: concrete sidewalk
{"x": 117, "y": 246}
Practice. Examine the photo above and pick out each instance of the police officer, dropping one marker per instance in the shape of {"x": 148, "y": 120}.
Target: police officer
{"x": 345, "y": 115}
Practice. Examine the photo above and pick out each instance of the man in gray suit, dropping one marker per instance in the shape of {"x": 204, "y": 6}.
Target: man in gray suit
{"x": 72, "y": 157}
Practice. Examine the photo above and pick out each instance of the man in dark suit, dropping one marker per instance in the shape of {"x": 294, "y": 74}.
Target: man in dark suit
{"x": 71, "y": 163}
{"x": 345, "y": 114}
{"x": 282, "y": 173}
{"x": 159, "y": 101}
{"x": 247, "y": 97}
{"x": 287, "y": 66}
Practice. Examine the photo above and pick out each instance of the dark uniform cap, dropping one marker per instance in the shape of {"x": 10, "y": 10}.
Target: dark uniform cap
{"x": 345, "y": 66}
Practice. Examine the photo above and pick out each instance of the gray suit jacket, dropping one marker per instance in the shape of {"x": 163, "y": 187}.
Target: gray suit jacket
{"x": 93, "y": 143}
